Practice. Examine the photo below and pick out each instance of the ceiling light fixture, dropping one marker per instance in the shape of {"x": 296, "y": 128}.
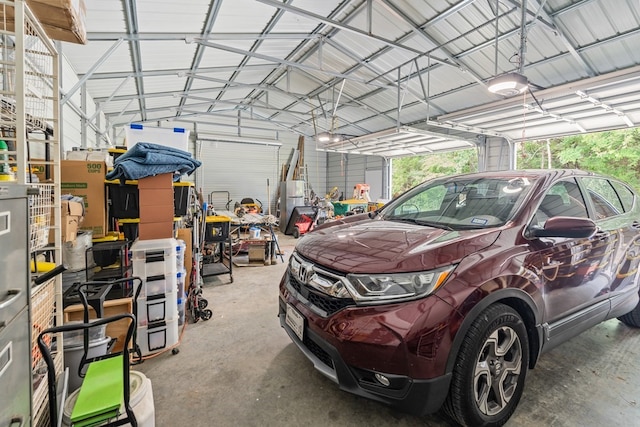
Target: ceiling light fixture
{"x": 324, "y": 137}
{"x": 329, "y": 137}
{"x": 509, "y": 84}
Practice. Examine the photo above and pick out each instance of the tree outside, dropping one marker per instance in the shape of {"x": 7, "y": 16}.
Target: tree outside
{"x": 411, "y": 171}
{"x": 613, "y": 153}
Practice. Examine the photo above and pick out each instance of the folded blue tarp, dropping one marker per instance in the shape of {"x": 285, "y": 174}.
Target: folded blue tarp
{"x": 148, "y": 159}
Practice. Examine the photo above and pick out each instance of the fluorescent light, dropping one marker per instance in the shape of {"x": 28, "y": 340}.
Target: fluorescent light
{"x": 508, "y": 84}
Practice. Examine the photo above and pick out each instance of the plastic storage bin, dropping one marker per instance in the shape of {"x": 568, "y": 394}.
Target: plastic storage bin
{"x": 181, "y": 196}
{"x": 156, "y": 257}
{"x": 124, "y": 199}
{"x": 180, "y": 250}
{"x": 157, "y": 336}
{"x": 181, "y": 278}
{"x": 217, "y": 228}
{"x": 160, "y": 308}
{"x": 158, "y": 285}
{"x": 129, "y": 227}
{"x": 169, "y": 137}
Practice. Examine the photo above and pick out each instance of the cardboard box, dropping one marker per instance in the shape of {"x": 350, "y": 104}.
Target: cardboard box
{"x": 91, "y": 156}
{"x": 155, "y": 230}
{"x": 162, "y": 181}
{"x": 39, "y": 169}
{"x": 110, "y": 308}
{"x": 185, "y": 234}
{"x": 86, "y": 179}
{"x": 62, "y": 20}
{"x": 72, "y": 216}
{"x": 156, "y": 207}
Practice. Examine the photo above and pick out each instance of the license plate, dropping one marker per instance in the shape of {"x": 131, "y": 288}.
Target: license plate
{"x": 295, "y": 321}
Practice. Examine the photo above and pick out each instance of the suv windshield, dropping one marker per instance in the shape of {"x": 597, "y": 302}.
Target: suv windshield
{"x": 460, "y": 203}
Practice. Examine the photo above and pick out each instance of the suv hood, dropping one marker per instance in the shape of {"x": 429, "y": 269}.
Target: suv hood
{"x": 379, "y": 246}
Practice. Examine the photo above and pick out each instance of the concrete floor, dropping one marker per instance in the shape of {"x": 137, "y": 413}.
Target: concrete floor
{"x": 240, "y": 369}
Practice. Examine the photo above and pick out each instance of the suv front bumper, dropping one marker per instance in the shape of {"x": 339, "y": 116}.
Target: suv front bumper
{"x": 415, "y": 396}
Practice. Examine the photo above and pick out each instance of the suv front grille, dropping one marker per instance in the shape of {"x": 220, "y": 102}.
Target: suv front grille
{"x": 326, "y": 303}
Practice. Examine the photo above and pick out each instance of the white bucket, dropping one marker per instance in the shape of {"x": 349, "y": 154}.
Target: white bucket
{"x": 254, "y": 232}
{"x": 141, "y": 401}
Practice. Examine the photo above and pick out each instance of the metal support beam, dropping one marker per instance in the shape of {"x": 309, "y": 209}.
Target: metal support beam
{"x": 562, "y": 34}
{"x": 131, "y": 14}
{"x": 346, "y": 28}
{"x": 399, "y": 13}
{"x": 89, "y": 73}
{"x": 212, "y": 14}
{"x": 109, "y": 99}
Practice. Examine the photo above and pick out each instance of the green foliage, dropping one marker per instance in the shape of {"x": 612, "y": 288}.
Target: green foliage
{"x": 613, "y": 153}
{"x": 411, "y": 171}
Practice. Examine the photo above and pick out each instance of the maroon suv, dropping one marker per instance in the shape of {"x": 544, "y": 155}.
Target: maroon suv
{"x": 449, "y": 293}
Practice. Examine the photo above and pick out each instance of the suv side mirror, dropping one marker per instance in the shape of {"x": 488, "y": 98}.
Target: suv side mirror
{"x": 566, "y": 226}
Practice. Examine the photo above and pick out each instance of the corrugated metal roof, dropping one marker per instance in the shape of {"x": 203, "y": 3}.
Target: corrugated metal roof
{"x": 283, "y": 63}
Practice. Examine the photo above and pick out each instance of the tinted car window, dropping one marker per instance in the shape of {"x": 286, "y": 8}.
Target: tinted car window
{"x": 605, "y": 199}
{"x": 625, "y": 194}
{"x": 460, "y": 203}
{"x": 563, "y": 199}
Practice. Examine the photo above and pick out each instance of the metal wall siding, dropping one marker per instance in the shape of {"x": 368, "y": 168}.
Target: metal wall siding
{"x": 241, "y": 169}
{"x": 345, "y": 172}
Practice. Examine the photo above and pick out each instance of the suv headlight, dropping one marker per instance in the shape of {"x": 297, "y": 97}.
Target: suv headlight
{"x": 384, "y": 288}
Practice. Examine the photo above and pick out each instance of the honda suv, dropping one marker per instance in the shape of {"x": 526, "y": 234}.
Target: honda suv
{"x": 447, "y": 295}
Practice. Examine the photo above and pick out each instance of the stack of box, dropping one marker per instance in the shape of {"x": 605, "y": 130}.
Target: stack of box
{"x": 155, "y": 263}
{"x": 124, "y": 204}
{"x": 86, "y": 179}
{"x": 156, "y": 206}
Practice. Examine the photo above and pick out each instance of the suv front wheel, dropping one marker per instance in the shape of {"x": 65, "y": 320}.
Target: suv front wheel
{"x": 632, "y": 318}
{"x": 488, "y": 377}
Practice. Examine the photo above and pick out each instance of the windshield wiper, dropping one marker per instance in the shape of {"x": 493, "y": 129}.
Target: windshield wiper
{"x": 422, "y": 222}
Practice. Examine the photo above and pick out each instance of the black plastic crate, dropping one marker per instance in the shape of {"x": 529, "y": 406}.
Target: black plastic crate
{"x": 181, "y": 196}
{"x": 217, "y": 228}
{"x": 129, "y": 227}
{"x": 124, "y": 199}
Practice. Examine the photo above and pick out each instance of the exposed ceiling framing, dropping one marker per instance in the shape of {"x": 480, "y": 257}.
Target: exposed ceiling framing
{"x": 390, "y": 77}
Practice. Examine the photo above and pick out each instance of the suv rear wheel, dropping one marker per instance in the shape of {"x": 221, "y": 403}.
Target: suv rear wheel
{"x": 488, "y": 377}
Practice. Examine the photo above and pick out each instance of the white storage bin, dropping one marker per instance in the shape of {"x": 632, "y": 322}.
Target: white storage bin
{"x": 180, "y": 248}
{"x": 141, "y": 249}
{"x": 157, "y": 309}
{"x": 181, "y": 278}
{"x": 169, "y": 137}
{"x": 157, "y": 336}
{"x": 150, "y": 269}
{"x": 155, "y": 257}
{"x": 159, "y": 285}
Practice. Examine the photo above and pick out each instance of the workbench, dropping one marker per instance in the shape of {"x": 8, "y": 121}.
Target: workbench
{"x": 243, "y": 239}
